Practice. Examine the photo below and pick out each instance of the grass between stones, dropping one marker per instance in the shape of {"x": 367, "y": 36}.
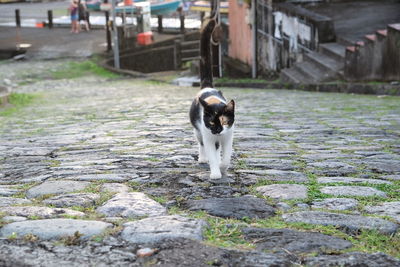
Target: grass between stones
{"x": 80, "y": 69}
{"x": 17, "y": 102}
{"x": 227, "y": 233}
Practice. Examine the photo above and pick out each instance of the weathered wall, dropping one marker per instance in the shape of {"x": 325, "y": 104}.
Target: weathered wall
{"x": 152, "y": 60}
{"x": 285, "y": 31}
{"x": 391, "y": 57}
{"x": 240, "y": 31}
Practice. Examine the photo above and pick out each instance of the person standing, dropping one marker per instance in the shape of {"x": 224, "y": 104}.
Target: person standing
{"x": 83, "y": 16}
{"x": 73, "y": 11}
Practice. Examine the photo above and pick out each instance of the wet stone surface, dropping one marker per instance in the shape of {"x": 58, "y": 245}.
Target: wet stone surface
{"x": 350, "y": 223}
{"x": 55, "y": 187}
{"x": 362, "y": 191}
{"x": 71, "y": 200}
{"x": 391, "y": 209}
{"x": 293, "y": 241}
{"x": 42, "y": 212}
{"x": 239, "y": 207}
{"x": 10, "y": 201}
{"x": 156, "y": 229}
{"x": 115, "y": 160}
{"x": 354, "y": 259}
{"x": 283, "y": 191}
{"x": 131, "y": 205}
{"x": 335, "y": 204}
{"x": 55, "y": 228}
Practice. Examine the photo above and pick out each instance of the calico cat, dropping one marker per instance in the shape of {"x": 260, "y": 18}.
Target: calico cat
{"x": 210, "y": 114}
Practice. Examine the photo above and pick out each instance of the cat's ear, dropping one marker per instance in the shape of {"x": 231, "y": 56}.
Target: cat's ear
{"x": 230, "y": 107}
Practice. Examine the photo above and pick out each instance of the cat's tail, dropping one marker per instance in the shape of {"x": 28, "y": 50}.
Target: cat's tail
{"x": 210, "y": 34}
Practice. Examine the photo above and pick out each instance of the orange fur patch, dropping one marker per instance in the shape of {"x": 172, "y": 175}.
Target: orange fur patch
{"x": 212, "y": 100}
{"x": 223, "y": 120}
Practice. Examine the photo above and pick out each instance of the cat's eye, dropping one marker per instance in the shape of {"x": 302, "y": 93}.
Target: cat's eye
{"x": 212, "y": 123}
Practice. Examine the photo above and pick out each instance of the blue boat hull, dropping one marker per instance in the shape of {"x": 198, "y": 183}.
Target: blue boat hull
{"x": 160, "y": 8}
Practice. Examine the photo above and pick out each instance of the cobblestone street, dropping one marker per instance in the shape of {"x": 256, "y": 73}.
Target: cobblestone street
{"x": 103, "y": 172}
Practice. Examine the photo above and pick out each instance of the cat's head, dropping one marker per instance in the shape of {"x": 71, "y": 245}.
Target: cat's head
{"x": 218, "y": 117}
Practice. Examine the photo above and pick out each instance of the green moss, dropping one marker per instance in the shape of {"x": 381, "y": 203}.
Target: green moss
{"x": 373, "y": 241}
{"x": 80, "y": 69}
{"x": 17, "y": 101}
{"x": 152, "y": 159}
{"x": 225, "y": 233}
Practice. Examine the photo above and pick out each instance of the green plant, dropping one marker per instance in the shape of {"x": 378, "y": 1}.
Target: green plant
{"x": 17, "y": 101}
{"x": 80, "y": 69}
{"x": 72, "y": 240}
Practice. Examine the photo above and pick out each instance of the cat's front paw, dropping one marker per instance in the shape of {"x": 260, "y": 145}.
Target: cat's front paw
{"x": 215, "y": 176}
{"x": 224, "y": 168}
{"x": 202, "y": 160}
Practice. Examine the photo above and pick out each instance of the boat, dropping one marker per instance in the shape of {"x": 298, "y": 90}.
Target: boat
{"x": 205, "y": 6}
{"x": 93, "y": 5}
{"x": 156, "y": 7}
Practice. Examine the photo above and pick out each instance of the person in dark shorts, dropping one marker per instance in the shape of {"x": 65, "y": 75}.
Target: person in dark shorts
{"x": 83, "y": 17}
{"x": 73, "y": 11}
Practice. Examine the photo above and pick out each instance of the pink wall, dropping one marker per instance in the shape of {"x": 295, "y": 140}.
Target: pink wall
{"x": 239, "y": 32}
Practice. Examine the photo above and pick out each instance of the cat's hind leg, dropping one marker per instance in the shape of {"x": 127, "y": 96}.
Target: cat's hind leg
{"x": 213, "y": 158}
{"x": 226, "y": 153}
{"x": 202, "y": 153}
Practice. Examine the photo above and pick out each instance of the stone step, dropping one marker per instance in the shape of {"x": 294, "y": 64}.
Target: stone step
{"x": 395, "y": 26}
{"x": 191, "y": 44}
{"x": 370, "y": 37}
{"x": 190, "y": 53}
{"x": 312, "y": 71}
{"x": 326, "y": 63}
{"x": 292, "y": 75}
{"x": 190, "y": 58}
{"x": 382, "y": 33}
{"x": 334, "y": 50}
{"x": 344, "y": 41}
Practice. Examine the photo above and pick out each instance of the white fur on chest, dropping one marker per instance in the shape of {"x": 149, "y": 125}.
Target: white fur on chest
{"x": 218, "y": 159}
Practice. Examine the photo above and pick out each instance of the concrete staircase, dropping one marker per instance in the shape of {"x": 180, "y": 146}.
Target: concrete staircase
{"x": 376, "y": 57}
{"x": 325, "y": 65}
{"x": 190, "y": 47}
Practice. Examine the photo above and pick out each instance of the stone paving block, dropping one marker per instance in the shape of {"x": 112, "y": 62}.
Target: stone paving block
{"x": 361, "y": 191}
{"x": 353, "y": 259}
{"x": 265, "y": 163}
{"x": 277, "y": 175}
{"x": 283, "y": 191}
{"x": 9, "y": 201}
{"x": 13, "y": 219}
{"x": 239, "y": 207}
{"x": 391, "y": 209}
{"x": 56, "y": 187}
{"x": 42, "y": 212}
{"x": 332, "y": 168}
{"x": 335, "y": 204}
{"x": 7, "y": 191}
{"x": 350, "y": 180}
{"x": 55, "y": 228}
{"x": 350, "y": 223}
{"x": 131, "y": 205}
{"x": 105, "y": 177}
{"x": 156, "y": 229}
{"x": 384, "y": 166}
{"x": 114, "y": 187}
{"x": 71, "y": 200}
{"x": 391, "y": 177}
{"x": 293, "y": 241}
